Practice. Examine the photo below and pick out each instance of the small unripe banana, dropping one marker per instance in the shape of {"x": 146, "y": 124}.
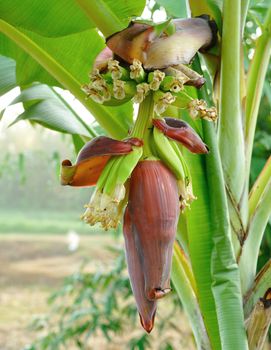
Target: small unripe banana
{"x": 167, "y": 154}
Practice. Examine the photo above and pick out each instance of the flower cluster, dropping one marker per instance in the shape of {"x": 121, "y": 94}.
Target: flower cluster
{"x": 145, "y": 178}
{"x": 198, "y": 108}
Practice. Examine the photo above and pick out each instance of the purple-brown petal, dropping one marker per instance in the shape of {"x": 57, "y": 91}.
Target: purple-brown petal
{"x": 102, "y": 59}
{"x": 92, "y": 160}
{"x": 154, "y": 210}
{"x": 145, "y": 307}
{"x": 156, "y": 51}
{"x": 180, "y": 131}
{"x": 130, "y": 43}
{"x": 104, "y": 146}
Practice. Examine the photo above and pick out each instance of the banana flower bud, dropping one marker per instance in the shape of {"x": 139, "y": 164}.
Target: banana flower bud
{"x": 150, "y": 225}
{"x": 107, "y": 163}
{"x": 180, "y": 131}
{"x": 146, "y": 308}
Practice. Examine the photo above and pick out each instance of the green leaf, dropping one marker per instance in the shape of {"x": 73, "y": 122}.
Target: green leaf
{"x": 49, "y": 109}
{"x": 62, "y": 17}
{"x": 7, "y": 74}
{"x": 166, "y": 26}
{"x": 186, "y": 293}
{"x": 174, "y": 8}
{"x": 200, "y": 244}
{"x": 200, "y": 239}
{"x": 226, "y": 286}
{"x": 225, "y": 275}
{"x": 48, "y": 17}
{"x": 213, "y": 8}
{"x": 76, "y": 54}
{"x": 111, "y": 16}
{"x": 260, "y": 211}
{"x": 78, "y": 142}
{"x": 231, "y": 135}
{"x": 255, "y": 83}
{"x": 209, "y": 240}
{"x": 54, "y": 67}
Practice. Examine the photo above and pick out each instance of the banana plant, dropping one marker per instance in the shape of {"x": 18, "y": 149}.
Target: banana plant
{"x": 178, "y": 176}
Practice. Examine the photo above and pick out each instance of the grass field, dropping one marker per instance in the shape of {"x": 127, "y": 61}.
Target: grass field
{"x": 48, "y": 222}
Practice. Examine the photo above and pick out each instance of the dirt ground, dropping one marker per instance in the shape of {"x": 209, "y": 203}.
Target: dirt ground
{"x": 31, "y": 268}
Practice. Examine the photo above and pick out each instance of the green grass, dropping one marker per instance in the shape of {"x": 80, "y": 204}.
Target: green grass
{"x": 49, "y": 222}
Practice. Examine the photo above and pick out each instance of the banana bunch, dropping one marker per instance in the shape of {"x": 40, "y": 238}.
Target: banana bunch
{"x": 113, "y": 87}
{"x": 167, "y": 153}
{"x": 116, "y": 85}
{"x": 110, "y": 196}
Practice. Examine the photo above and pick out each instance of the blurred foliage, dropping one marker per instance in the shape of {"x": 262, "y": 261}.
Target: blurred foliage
{"x": 29, "y": 179}
{"x": 44, "y": 221}
{"x": 91, "y": 305}
{"x": 261, "y": 151}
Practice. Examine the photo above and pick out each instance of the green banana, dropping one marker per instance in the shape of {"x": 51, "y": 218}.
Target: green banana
{"x": 168, "y": 154}
{"x": 155, "y": 79}
{"x": 116, "y": 72}
{"x": 178, "y": 152}
{"x": 172, "y": 84}
{"x": 106, "y": 171}
{"x": 121, "y": 169}
{"x": 137, "y": 72}
{"x": 164, "y": 99}
{"x": 113, "y": 93}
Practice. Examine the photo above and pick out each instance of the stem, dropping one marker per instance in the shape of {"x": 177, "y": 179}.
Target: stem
{"x": 244, "y": 9}
{"x": 100, "y": 13}
{"x": 231, "y": 140}
{"x": 143, "y": 124}
{"x": 258, "y": 325}
{"x": 113, "y": 126}
{"x": 224, "y": 269}
{"x": 255, "y": 83}
{"x": 259, "y": 288}
{"x": 182, "y": 232}
{"x": 260, "y": 213}
{"x": 225, "y": 274}
{"x": 259, "y": 187}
